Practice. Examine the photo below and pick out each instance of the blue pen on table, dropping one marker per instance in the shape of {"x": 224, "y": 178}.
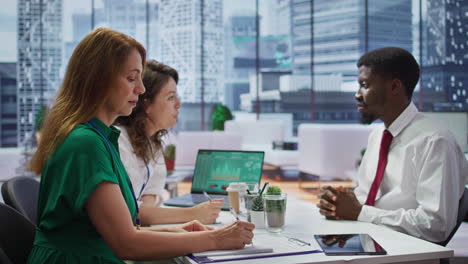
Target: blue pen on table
{"x": 207, "y": 196}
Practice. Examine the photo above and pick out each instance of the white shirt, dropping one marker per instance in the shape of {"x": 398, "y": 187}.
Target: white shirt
{"x": 423, "y": 181}
{"x": 137, "y": 171}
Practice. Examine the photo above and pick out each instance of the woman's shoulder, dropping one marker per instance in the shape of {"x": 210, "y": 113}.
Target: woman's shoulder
{"x": 83, "y": 138}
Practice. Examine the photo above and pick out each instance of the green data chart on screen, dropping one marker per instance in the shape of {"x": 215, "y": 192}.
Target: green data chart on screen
{"x": 214, "y": 170}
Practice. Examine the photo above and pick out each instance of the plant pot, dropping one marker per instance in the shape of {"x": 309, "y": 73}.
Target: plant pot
{"x": 170, "y": 164}
{"x": 275, "y": 212}
{"x": 257, "y": 218}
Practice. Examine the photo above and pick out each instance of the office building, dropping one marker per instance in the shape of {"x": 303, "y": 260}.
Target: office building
{"x": 81, "y": 25}
{"x": 329, "y": 106}
{"x": 130, "y": 17}
{"x": 8, "y": 105}
{"x": 445, "y": 51}
{"x": 339, "y": 33}
{"x": 283, "y": 17}
{"x": 183, "y": 35}
{"x": 240, "y": 60}
{"x": 39, "y": 59}
{"x": 274, "y": 56}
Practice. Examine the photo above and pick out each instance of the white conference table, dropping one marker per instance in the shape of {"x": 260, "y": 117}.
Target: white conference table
{"x": 303, "y": 219}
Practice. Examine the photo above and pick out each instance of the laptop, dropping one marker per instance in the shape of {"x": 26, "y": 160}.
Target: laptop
{"x": 215, "y": 169}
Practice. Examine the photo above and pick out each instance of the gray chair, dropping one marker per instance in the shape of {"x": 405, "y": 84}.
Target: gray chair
{"x": 22, "y": 193}
{"x": 462, "y": 213}
{"x": 16, "y": 235}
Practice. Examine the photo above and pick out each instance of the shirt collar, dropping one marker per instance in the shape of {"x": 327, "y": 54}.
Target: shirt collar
{"x": 110, "y": 132}
{"x": 403, "y": 119}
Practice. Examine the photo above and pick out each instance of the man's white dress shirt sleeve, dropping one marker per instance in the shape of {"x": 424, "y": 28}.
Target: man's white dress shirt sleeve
{"x": 423, "y": 181}
{"x": 437, "y": 193}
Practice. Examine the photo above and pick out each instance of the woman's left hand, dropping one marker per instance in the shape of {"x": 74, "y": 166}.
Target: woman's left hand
{"x": 192, "y": 226}
{"x": 195, "y": 225}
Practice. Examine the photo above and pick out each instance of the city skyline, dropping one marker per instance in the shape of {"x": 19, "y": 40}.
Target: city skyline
{"x": 220, "y": 57}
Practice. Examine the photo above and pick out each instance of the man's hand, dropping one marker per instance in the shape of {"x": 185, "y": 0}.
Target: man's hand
{"x": 338, "y": 204}
{"x": 347, "y": 205}
{"x": 328, "y": 196}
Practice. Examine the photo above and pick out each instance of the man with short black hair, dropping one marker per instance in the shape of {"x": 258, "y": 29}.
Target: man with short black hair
{"x": 412, "y": 175}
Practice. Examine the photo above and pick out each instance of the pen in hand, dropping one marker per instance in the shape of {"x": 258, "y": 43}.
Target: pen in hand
{"x": 207, "y": 196}
{"x": 234, "y": 213}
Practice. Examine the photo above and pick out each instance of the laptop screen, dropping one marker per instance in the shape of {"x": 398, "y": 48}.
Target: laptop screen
{"x": 215, "y": 169}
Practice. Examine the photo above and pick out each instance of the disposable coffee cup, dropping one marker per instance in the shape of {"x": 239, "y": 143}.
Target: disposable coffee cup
{"x": 236, "y": 192}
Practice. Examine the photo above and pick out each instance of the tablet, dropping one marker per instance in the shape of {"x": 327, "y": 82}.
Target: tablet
{"x": 349, "y": 244}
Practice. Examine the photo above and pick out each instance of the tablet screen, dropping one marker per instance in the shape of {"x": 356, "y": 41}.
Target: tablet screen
{"x": 349, "y": 244}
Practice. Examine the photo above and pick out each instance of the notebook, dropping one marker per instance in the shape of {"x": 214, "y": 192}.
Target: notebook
{"x": 264, "y": 245}
{"x": 215, "y": 169}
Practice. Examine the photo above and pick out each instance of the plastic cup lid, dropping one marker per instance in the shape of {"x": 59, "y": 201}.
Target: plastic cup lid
{"x": 237, "y": 186}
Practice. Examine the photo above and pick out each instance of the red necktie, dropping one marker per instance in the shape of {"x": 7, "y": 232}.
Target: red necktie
{"x": 384, "y": 146}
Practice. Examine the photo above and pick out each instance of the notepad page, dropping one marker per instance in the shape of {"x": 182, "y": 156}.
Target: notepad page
{"x": 249, "y": 249}
{"x": 274, "y": 243}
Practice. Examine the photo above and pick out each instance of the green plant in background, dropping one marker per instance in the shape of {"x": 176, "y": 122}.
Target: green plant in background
{"x": 257, "y": 204}
{"x": 358, "y": 162}
{"x": 40, "y": 117}
{"x": 221, "y": 113}
{"x": 275, "y": 206}
{"x": 169, "y": 152}
{"x": 273, "y": 190}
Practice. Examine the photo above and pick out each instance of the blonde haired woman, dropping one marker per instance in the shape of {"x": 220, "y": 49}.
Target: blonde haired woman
{"x": 87, "y": 210}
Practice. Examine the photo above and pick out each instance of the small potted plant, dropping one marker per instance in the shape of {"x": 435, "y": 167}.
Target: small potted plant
{"x": 275, "y": 208}
{"x": 169, "y": 157}
{"x": 257, "y": 213}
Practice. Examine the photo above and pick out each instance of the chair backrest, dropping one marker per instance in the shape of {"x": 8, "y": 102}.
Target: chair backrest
{"x": 4, "y": 258}
{"x": 22, "y": 193}
{"x": 462, "y": 213}
{"x": 16, "y": 234}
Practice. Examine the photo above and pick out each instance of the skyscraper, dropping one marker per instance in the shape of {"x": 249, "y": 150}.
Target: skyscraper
{"x": 8, "y": 105}
{"x": 339, "y": 33}
{"x": 81, "y": 25}
{"x": 130, "y": 17}
{"x": 182, "y": 35}
{"x": 445, "y": 59}
{"x": 39, "y": 59}
{"x": 240, "y": 60}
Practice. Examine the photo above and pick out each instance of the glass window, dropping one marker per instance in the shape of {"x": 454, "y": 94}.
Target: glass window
{"x": 302, "y": 56}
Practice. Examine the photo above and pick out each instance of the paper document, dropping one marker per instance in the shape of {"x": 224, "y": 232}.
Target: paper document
{"x": 265, "y": 245}
{"x": 249, "y": 249}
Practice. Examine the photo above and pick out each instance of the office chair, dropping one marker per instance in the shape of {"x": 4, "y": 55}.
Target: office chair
{"x": 16, "y": 235}
{"x": 4, "y": 258}
{"x": 462, "y": 213}
{"x": 22, "y": 193}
